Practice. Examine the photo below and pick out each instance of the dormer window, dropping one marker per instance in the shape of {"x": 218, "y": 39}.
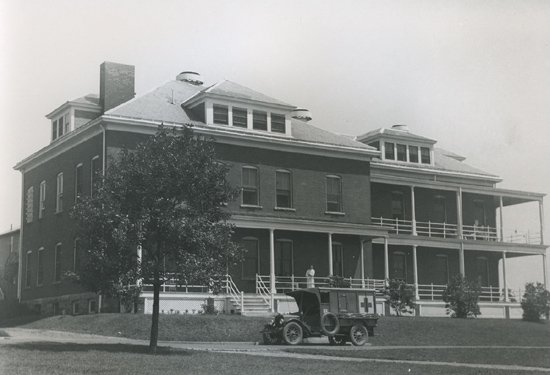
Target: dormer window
{"x": 61, "y": 125}
{"x": 259, "y": 120}
{"x": 240, "y": 117}
{"x": 425, "y": 155}
{"x": 221, "y": 114}
{"x": 390, "y": 152}
{"x": 401, "y": 152}
{"x": 413, "y": 154}
{"x": 277, "y": 123}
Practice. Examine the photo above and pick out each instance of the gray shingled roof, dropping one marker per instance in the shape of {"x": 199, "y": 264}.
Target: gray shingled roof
{"x": 234, "y": 90}
{"x": 87, "y": 99}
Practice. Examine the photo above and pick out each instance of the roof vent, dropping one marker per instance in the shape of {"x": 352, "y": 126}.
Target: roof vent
{"x": 403, "y": 128}
{"x": 193, "y": 78}
{"x": 302, "y": 114}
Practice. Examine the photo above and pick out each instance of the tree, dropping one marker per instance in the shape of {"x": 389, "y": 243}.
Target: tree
{"x": 165, "y": 198}
{"x": 400, "y": 296}
{"x": 461, "y": 298}
{"x": 535, "y": 302}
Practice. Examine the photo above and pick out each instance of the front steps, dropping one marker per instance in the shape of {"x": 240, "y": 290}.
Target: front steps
{"x": 253, "y": 305}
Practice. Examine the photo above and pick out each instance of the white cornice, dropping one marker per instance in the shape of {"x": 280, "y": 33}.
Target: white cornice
{"x": 77, "y": 105}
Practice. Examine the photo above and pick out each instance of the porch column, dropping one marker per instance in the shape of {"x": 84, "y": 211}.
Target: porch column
{"x": 541, "y": 217}
{"x": 330, "y": 268}
{"x": 415, "y": 269}
{"x": 413, "y": 211}
{"x": 544, "y": 273}
{"x": 505, "y": 284}
{"x": 363, "y": 264}
{"x": 501, "y": 221}
{"x": 459, "y": 212}
{"x": 461, "y": 259}
{"x": 272, "y": 260}
{"x": 386, "y": 260}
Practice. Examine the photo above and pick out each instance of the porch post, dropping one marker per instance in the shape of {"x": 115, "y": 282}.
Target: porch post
{"x": 501, "y": 222}
{"x": 415, "y": 269}
{"x": 272, "y": 261}
{"x": 541, "y": 219}
{"x": 504, "y": 282}
{"x": 386, "y": 260}
{"x": 413, "y": 211}
{"x": 330, "y": 269}
{"x": 459, "y": 212}
{"x": 461, "y": 259}
{"x": 362, "y": 264}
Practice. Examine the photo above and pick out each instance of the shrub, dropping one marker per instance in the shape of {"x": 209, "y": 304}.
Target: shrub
{"x": 338, "y": 282}
{"x": 535, "y": 302}
{"x": 400, "y": 296}
{"x": 461, "y": 298}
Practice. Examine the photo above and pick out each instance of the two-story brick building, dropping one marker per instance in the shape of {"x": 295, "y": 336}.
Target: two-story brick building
{"x": 366, "y": 209}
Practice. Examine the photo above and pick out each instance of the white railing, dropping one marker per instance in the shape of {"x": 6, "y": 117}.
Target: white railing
{"x": 435, "y": 229}
{"x": 434, "y": 292}
{"x": 173, "y": 285}
{"x": 290, "y": 283}
{"x": 232, "y": 290}
{"x": 399, "y": 226}
{"x": 479, "y": 232}
{"x": 263, "y": 291}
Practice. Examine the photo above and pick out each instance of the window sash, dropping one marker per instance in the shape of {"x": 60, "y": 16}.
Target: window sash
{"x": 57, "y": 270}
{"x": 413, "y": 154}
{"x": 221, "y": 114}
{"x": 334, "y": 194}
{"x": 30, "y": 205}
{"x": 59, "y": 189}
{"x": 401, "y": 152}
{"x": 240, "y": 117}
{"x": 389, "y": 151}
{"x": 425, "y": 155}
{"x": 250, "y": 194}
{"x": 60, "y": 126}
{"x": 278, "y": 124}
{"x": 42, "y": 200}
{"x": 78, "y": 182}
{"x": 283, "y": 189}
{"x": 259, "y": 120}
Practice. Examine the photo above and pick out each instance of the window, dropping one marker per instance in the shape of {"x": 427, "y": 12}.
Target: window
{"x": 399, "y": 267}
{"x": 413, "y": 154}
{"x": 54, "y": 130}
{"x": 59, "y": 199}
{"x": 482, "y": 271}
{"x": 284, "y": 189}
{"x": 94, "y": 174}
{"x": 76, "y": 255}
{"x": 57, "y": 269}
{"x": 389, "y": 151}
{"x": 259, "y": 120}
{"x": 278, "y": 123}
{"x": 250, "y": 186}
{"x": 221, "y": 114}
{"x": 29, "y": 206}
{"x": 42, "y": 200}
{"x": 376, "y": 145}
{"x": 251, "y": 262}
{"x": 338, "y": 259}
{"x": 78, "y": 182}
{"x": 398, "y": 205}
{"x": 401, "y": 152}
{"x": 28, "y": 269}
{"x": 425, "y": 155}
{"x": 283, "y": 258}
{"x": 334, "y": 194}
{"x": 441, "y": 271}
{"x": 40, "y": 267}
{"x": 240, "y": 117}
{"x": 60, "y": 126}
{"x": 67, "y": 120}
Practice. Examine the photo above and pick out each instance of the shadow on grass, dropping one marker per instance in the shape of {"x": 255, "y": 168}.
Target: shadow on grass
{"x": 19, "y": 320}
{"x": 110, "y": 348}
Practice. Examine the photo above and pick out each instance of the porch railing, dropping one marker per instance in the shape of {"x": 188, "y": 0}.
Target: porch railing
{"x": 232, "y": 290}
{"x": 289, "y": 283}
{"x": 263, "y": 291}
{"x": 398, "y": 226}
{"x": 477, "y": 232}
{"x": 434, "y": 292}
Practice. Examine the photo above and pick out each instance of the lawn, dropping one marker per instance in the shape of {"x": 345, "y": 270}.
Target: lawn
{"x": 63, "y": 359}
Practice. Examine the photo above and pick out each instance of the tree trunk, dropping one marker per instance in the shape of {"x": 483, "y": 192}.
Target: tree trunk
{"x": 155, "y": 323}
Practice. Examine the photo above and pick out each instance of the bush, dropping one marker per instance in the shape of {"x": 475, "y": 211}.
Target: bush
{"x": 461, "y": 298}
{"x": 535, "y": 302}
{"x": 400, "y": 296}
{"x": 338, "y": 282}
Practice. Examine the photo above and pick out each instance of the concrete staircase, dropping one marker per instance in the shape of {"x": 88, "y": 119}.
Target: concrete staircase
{"x": 253, "y": 305}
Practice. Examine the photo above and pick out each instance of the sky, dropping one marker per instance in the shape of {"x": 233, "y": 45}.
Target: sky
{"x": 473, "y": 75}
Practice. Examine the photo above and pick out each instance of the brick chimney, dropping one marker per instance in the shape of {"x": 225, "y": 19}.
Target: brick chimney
{"x": 116, "y": 84}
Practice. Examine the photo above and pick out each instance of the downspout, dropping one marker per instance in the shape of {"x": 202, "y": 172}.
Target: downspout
{"x": 20, "y": 265}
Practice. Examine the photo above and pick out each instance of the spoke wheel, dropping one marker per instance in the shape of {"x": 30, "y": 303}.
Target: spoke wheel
{"x": 358, "y": 335}
{"x": 292, "y": 333}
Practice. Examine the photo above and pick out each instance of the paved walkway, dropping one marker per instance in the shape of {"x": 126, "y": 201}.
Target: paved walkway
{"x": 20, "y": 335}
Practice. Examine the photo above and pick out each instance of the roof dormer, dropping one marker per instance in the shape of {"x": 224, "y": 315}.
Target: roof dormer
{"x": 231, "y": 105}
{"x": 73, "y": 114}
{"x": 399, "y": 145}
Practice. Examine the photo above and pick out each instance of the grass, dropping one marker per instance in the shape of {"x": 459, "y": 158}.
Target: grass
{"x": 61, "y": 359}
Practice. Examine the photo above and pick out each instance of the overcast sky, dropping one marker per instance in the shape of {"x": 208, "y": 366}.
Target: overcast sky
{"x": 474, "y": 75}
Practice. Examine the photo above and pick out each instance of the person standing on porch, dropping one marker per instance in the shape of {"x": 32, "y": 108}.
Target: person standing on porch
{"x": 310, "y": 277}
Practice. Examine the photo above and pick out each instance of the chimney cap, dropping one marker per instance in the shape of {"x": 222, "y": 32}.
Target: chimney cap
{"x": 302, "y": 114}
{"x": 400, "y": 127}
{"x": 191, "y": 77}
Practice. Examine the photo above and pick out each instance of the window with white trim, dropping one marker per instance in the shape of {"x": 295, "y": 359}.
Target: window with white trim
{"x": 42, "y": 200}
{"x": 59, "y": 193}
{"x": 40, "y": 267}
{"x": 283, "y": 187}
{"x": 401, "y": 152}
{"x": 78, "y": 183}
{"x": 334, "y": 193}
{"x": 250, "y": 186}
{"x": 278, "y": 124}
{"x": 425, "y": 155}
{"x": 251, "y": 261}
{"x": 221, "y": 114}
{"x": 57, "y": 264}
{"x": 413, "y": 154}
{"x": 259, "y": 120}
{"x": 29, "y": 209}
{"x": 389, "y": 151}
{"x": 240, "y": 117}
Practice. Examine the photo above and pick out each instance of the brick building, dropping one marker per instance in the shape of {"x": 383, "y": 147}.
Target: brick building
{"x": 355, "y": 208}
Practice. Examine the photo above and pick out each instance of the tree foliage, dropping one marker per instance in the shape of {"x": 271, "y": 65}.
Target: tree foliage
{"x": 166, "y": 197}
{"x": 535, "y": 302}
{"x": 400, "y": 296}
{"x": 461, "y": 298}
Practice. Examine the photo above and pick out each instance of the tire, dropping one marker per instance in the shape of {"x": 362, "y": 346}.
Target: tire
{"x": 358, "y": 335}
{"x": 337, "y": 340}
{"x": 293, "y": 333}
{"x": 270, "y": 338}
{"x": 330, "y": 325}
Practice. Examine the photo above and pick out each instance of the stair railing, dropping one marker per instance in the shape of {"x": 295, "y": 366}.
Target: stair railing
{"x": 236, "y": 295}
{"x": 263, "y": 291}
